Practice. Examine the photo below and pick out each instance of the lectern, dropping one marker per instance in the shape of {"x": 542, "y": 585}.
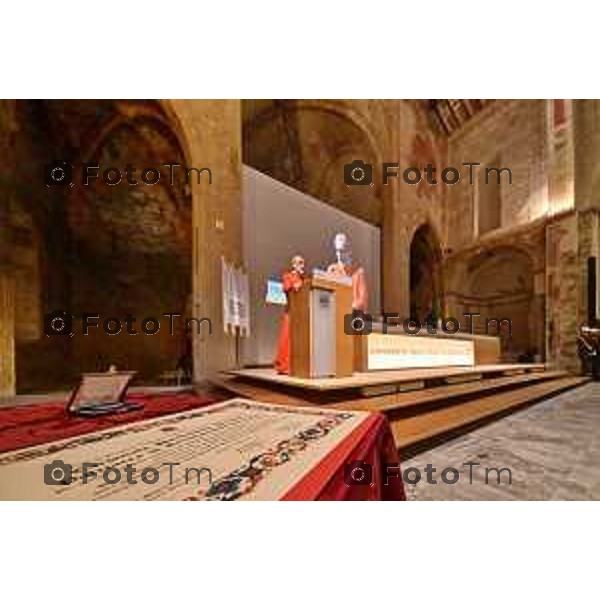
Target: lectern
{"x": 318, "y": 345}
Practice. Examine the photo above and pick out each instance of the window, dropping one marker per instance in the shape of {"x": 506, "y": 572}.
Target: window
{"x": 489, "y": 201}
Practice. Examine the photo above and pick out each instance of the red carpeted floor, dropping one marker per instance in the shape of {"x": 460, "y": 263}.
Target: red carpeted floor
{"x": 27, "y": 425}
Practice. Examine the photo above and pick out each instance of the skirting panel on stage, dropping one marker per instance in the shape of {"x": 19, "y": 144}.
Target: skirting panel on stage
{"x": 399, "y": 350}
{"x": 414, "y": 351}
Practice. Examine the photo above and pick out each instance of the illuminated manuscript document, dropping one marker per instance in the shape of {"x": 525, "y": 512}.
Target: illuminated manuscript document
{"x": 239, "y": 449}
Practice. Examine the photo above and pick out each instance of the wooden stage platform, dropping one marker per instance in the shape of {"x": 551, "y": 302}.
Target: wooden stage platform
{"x": 399, "y": 379}
{"x": 424, "y": 406}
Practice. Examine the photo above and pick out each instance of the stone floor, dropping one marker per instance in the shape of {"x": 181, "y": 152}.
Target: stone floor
{"x": 552, "y": 450}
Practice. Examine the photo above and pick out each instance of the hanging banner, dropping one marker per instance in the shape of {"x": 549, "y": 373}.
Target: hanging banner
{"x": 243, "y": 299}
{"x": 236, "y": 298}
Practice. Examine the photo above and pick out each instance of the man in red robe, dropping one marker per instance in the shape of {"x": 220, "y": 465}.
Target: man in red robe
{"x": 292, "y": 282}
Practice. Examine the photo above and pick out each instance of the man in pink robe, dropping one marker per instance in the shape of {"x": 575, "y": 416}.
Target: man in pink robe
{"x": 344, "y": 267}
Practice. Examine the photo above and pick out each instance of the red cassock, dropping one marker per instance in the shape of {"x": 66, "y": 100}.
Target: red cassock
{"x": 292, "y": 282}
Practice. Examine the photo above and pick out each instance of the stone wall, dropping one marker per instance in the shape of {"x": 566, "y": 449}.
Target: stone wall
{"x": 140, "y": 251}
{"x": 518, "y": 135}
{"x": 563, "y": 289}
{"x": 502, "y": 276}
{"x": 586, "y": 123}
{"x": 131, "y": 252}
{"x": 509, "y": 134}
{"x": 21, "y": 213}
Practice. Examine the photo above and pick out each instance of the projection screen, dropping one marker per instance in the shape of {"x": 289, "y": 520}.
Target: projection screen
{"x": 279, "y": 222}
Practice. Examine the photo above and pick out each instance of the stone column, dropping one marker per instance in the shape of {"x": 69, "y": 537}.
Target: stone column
{"x": 395, "y": 263}
{"x": 537, "y": 309}
{"x": 8, "y": 128}
{"x": 7, "y": 338}
{"x": 574, "y": 183}
{"x": 212, "y": 133}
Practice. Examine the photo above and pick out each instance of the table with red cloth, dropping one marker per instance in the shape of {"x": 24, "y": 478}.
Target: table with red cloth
{"x": 370, "y": 442}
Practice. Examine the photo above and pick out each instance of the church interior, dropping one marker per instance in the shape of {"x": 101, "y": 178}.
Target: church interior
{"x": 507, "y": 253}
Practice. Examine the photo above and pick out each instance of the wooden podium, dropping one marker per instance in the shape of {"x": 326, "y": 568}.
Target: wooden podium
{"x": 318, "y": 345}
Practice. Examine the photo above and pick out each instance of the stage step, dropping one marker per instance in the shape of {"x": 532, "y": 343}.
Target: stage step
{"x": 242, "y": 388}
{"x": 394, "y": 402}
{"x": 422, "y": 417}
{"x": 414, "y": 429}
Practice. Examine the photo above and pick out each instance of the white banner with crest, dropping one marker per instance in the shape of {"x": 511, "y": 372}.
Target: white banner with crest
{"x": 236, "y": 299}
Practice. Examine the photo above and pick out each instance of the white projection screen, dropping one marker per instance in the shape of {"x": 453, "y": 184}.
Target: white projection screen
{"x": 279, "y": 222}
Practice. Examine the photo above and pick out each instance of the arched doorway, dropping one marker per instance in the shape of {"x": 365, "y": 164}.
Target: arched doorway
{"x": 426, "y": 293}
{"x": 111, "y": 250}
{"x": 131, "y": 246}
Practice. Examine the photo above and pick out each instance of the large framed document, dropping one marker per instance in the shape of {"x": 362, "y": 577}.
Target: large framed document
{"x": 102, "y": 394}
{"x": 235, "y": 450}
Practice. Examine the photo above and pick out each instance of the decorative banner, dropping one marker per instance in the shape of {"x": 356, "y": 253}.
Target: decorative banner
{"x": 236, "y": 298}
{"x": 226, "y": 293}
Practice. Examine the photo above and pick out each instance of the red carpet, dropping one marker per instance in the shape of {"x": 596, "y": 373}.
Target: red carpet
{"x": 27, "y": 425}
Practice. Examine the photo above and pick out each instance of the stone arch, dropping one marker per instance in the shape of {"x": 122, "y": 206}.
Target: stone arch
{"x": 500, "y": 285}
{"x": 425, "y": 274}
{"x": 345, "y": 111}
{"x": 145, "y": 140}
{"x": 133, "y": 246}
{"x": 107, "y": 251}
{"x": 306, "y": 144}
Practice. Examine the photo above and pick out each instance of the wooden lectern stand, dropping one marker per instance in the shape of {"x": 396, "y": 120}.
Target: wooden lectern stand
{"x": 318, "y": 345}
